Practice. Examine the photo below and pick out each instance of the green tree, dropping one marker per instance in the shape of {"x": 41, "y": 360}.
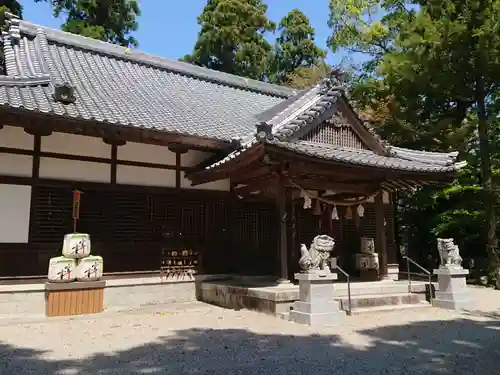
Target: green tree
{"x": 448, "y": 67}
{"x": 232, "y": 38}
{"x": 295, "y": 52}
{"x": 432, "y": 81}
{"x": 108, "y": 20}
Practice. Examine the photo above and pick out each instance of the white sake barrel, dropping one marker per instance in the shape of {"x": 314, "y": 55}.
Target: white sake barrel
{"x": 90, "y": 268}
{"x": 76, "y": 245}
{"x": 61, "y": 270}
{"x": 367, "y": 245}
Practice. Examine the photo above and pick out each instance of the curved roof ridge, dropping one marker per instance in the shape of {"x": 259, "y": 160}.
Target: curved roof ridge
{"x": 78, "y": 41}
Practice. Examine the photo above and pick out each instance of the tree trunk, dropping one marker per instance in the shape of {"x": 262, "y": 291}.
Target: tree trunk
{"x": 486, "y": 174}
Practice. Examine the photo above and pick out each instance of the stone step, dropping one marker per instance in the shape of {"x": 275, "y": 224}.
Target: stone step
{"x": 375, "y": 300}
{"x": 284, "y": 315}
{"x": 389, "y": 308}
{"x": 378, "y": 288}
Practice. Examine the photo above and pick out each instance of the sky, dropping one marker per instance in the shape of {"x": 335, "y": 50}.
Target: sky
{"x": 169, "y": 28}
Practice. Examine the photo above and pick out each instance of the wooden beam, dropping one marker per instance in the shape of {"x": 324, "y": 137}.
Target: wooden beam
{"x": 258, "y": 171}
{"x": 225, "y": 170}
{"x": 323, "y": 184}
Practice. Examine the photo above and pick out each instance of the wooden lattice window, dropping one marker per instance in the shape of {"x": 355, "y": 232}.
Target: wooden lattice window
{"x": 334, "y": 134}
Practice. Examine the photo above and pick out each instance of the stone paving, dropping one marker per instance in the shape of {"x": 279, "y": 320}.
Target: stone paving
{"x": 200, "y": 339}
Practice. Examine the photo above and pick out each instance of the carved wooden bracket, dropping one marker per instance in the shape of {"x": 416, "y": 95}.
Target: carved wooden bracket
{"x": 110, "y": 140}
{"x": 178, "y": 148}
{"x": 39, "y": 130}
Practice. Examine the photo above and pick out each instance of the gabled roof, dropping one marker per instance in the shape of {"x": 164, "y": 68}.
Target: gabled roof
{"x": 120, "y": 86}
{"x": 308, "y": 109}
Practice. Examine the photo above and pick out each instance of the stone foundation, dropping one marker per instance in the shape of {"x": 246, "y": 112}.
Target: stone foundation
{"x": 119, "y": 294}
{"x": 232, "y": 294}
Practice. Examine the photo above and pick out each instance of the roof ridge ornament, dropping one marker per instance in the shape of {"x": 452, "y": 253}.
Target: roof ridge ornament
{"x": 264, "y": 131}
{"x": 64, "y": 93}
{"x": 12, "y": 22}
{"x": 334, "y": 80}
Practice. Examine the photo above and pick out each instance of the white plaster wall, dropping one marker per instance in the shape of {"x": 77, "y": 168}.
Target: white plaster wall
{"x": 15, "y": 137}
{"x": 71, "y": 144}
{"x": 146, "y": 153}
{"x": 16, "y": 165}
{"x": 220, "y": 185}
{"x": 130, "y": 175}
{"x": 74, "y": 170}
{"x": 15, "y": 203}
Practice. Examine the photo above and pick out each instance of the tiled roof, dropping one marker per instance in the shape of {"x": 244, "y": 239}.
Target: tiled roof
{"x": 443, "y": 162}
{"x": 290, "y": 116}
{"x": 294, "y": 114}
{"x": 125, "y": 87}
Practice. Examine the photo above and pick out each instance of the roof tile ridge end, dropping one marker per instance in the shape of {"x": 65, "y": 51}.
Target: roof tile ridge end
{"x": 307, "y": 100}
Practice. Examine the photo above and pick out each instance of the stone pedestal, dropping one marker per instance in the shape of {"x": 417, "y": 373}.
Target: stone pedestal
{"x": 453, "y": 293}
{"x": 317, "y": 305}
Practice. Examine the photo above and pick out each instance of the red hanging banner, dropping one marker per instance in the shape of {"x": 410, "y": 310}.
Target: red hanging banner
{"x": 76, "y": 207}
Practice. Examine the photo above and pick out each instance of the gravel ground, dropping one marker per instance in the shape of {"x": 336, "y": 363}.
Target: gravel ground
{"x": 201, "y": 339}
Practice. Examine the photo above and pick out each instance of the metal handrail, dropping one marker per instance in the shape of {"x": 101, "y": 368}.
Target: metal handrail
{"x": 428, "y": 273}
{"x": 348, "y": 312}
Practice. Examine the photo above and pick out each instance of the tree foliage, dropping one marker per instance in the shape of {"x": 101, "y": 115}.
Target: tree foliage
{"x": 432, "y": 81}
{"x": 232, "y": 38}
{"x": 108, "y": 20}
{"x": 296, "y": 55}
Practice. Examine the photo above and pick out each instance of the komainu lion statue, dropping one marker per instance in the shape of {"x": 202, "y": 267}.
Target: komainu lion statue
{"x": 449, "y": 253}
{"x": 316, "y": 258}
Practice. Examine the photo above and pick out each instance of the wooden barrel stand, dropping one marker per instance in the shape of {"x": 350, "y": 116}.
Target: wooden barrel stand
{"x": 76, "y": 298}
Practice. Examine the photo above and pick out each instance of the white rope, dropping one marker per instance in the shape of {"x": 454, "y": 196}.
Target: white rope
{"x": 335, "y": 203}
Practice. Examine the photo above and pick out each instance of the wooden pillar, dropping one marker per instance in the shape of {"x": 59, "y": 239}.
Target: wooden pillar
{"x": 34, "y": 184}
{"x": 381, "y": 240}
{"x": 293, "y": 247}
{"x": 282, "y": 217}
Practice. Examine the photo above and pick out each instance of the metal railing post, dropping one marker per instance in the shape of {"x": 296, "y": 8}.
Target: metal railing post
{"x": 409, "y": 273}
{"x": 428, "y": 273}
{"x": 348, "y": 278}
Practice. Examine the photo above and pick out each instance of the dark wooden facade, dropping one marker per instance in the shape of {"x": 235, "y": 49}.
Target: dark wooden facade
{"x": 130, "y": 225}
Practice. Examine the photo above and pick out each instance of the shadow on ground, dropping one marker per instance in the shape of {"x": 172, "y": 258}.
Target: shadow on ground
{"x": 462, "y": 346}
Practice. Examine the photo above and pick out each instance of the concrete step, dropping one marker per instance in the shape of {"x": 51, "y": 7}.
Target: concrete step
{"x": 389, "y": 308}
{"x": 375, "y": 300}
